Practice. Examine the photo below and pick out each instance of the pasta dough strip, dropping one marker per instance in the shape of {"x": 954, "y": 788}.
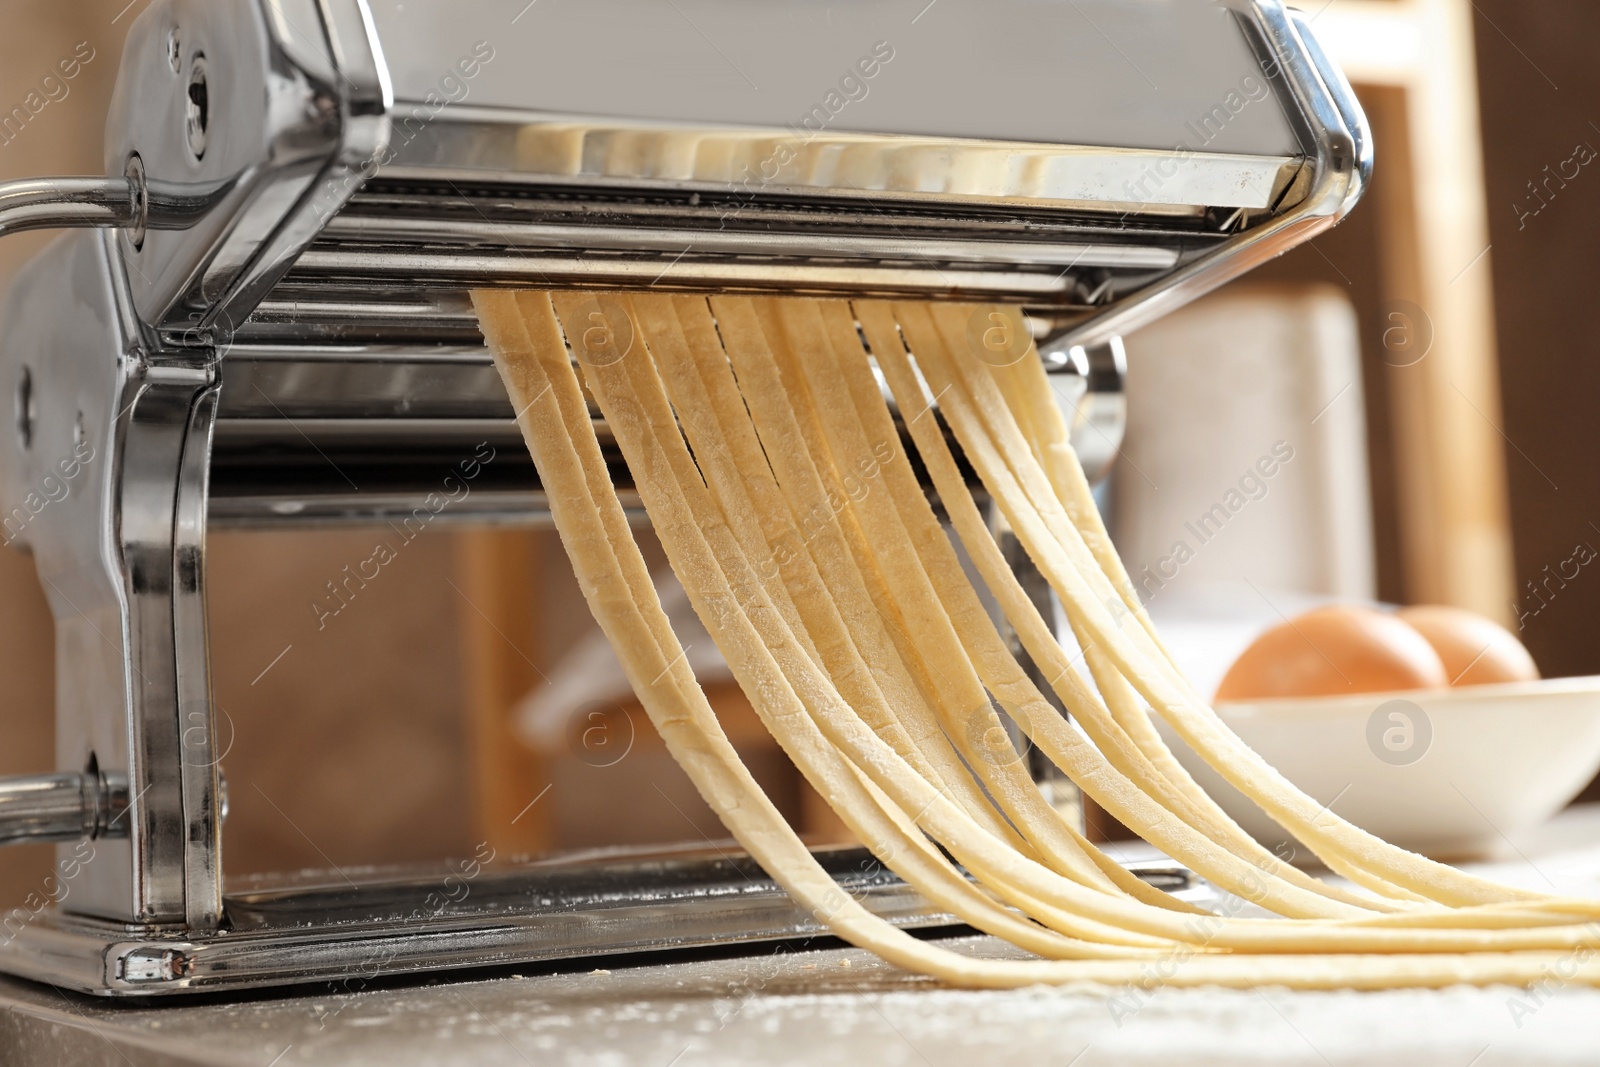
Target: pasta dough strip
{"x": 1071, "y": 491}
{"x": 716, "y": 368}
{"x": 762, "y": 830}
{"x": 705, "y": 427}
{"x": 880, "y": 330}
{"x": 692, "y": 534}
{"x": 608, "y": 563}
{"x": 849, "y": 398}
{"x": 1086, "y": 591}
{"x": 881, "y": 333}
{"x": 696, "y": 307}
{"x": 891, "y": 558}
{"x": 1028, "y": 394}
{"x": 819, "y": 348}
{"x": 624, "y": 415}
{"x": 757, "y": 402}
{"x": 1024, "y": 385}
{"x": 736, "y": 473}
{"x": 782, "y": 683}
{"x": 1086, "y": 765}
{"x": 801, "y": 484}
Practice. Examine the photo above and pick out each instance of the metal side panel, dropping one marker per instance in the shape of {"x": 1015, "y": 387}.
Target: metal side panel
{"x": 1109, "y": 73}
{"x": 357, "y": 926}
{"x": 266, "y": 110}
{"x": 353, "y": 927}
{"x": 108, "y": 475}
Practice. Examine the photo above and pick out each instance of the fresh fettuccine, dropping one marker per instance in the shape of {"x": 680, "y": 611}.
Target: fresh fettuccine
{"x": 760, "y": 440}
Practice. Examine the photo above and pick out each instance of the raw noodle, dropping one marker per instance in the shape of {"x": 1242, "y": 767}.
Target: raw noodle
{"x": 759, "y": 439}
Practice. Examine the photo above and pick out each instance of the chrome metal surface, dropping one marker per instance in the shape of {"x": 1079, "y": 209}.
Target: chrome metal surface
{"x": 468, "y": 231}
{"x": 128, "y": 202}
{"x": 1061, "y": 792}
{"x": 165, "y": 433}
{"x": 481, "y": 912}
{"x": 203, "y": 800}
{"x": 50, "y": 203}
{"x": 295, "y": 103}
{"x": 1333, "y": 126}
{"x": 324, "y": 433}
{"x": 1217, "y": 149}
{"x": 1090, "y": 72}
{"x": 274, "y": 329}
{"x": 109, "y": 495}
{"x": 315, "y": 168}
{"x": 316, "y": 148}
{"x": 542, "y": 148}
{"x": 475, "y": 194}
{"x": 888, "y": 245}
{"x": 357, "y": 926}
{"x": 698, "y": 274}
{"x": 1088, "y": 385}
{"x": 250, "y": 506}
{"x": 62, "y": 807}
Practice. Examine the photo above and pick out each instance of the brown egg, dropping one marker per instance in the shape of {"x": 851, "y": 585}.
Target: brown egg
{"x": 1475, "y": 650}
{"x": 1334, "y": 651}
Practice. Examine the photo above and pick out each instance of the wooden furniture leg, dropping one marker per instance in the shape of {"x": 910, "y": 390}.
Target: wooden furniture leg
{"x": 1415, "y": 59}
{"x": 498, "y": 581}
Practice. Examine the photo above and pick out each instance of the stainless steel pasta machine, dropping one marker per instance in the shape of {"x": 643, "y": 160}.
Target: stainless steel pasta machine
{"x": 266, "y": 308}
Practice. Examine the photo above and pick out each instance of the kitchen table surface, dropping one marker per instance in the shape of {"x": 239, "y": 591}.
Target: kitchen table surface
{"x": 835, "y": 1005}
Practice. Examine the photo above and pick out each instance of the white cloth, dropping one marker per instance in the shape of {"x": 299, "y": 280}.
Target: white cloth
{"x": 590, "y": 674}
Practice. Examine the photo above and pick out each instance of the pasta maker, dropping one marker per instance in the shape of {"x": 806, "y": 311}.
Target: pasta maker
{"x": 264, "y": 308}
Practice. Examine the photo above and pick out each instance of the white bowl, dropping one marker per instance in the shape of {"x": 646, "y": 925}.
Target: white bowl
{"x": 1447, "y": 772}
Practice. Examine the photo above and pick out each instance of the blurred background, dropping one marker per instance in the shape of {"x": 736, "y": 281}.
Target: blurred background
{"x": 1437, "y": 344}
